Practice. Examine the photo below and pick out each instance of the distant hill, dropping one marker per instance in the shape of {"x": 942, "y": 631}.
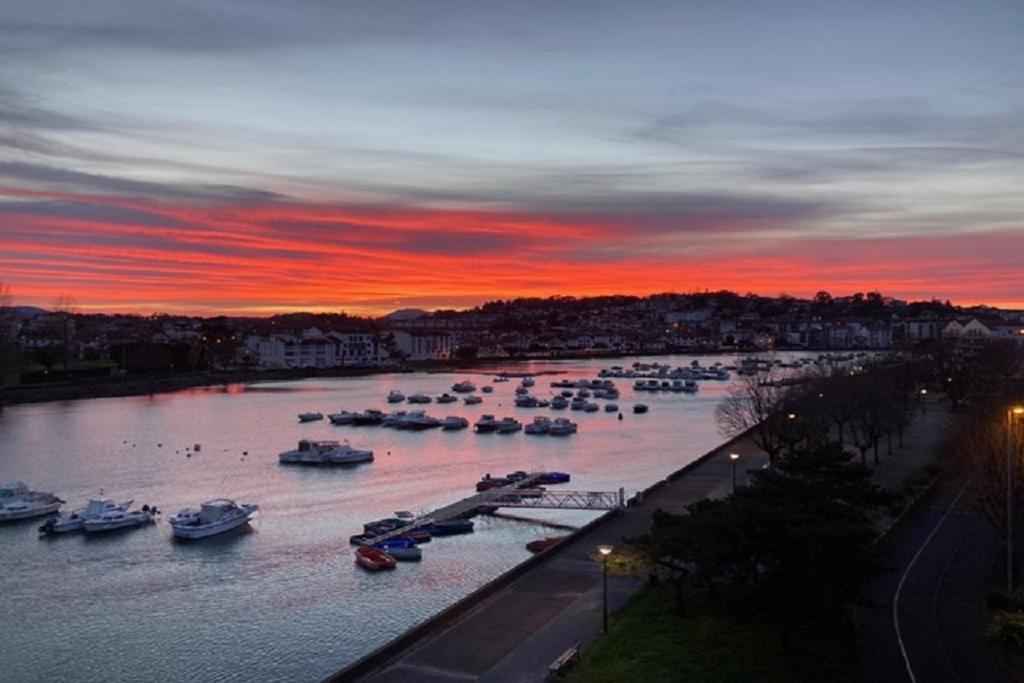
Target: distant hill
{"x": 23, "y": 312}
{"x": 404, "y": 314}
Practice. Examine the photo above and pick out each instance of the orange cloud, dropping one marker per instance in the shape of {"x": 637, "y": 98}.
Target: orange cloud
{"x": 142, "y": 256}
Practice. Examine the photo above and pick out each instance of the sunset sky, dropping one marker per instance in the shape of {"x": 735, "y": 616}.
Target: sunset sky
{"x": 250, "y": 156}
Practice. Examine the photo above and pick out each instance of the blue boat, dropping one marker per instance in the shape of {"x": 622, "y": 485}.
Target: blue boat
{"x": 450, "y": 527}
{"x": 401, "y": 548}
{"x": 554, "y": 478}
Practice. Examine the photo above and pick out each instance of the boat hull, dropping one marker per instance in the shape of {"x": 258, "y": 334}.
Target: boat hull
{"x": 30, "y": 512}
{"x": 189, "y": 532}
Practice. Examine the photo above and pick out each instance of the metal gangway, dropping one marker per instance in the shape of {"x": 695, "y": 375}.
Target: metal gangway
{"x": 521, "y": 494}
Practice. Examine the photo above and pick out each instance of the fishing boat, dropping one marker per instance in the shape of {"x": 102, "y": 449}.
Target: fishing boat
{"x": 447, "y": 398}
{"x": 121, "y": 519}
{"x": 463, "y": 387}
{"x": 419, "y": 398}
{"x": 560, "y": 426}
{"x": 540, "y": 425}
{"x": 508, "y": 425}
{"x": 18, "y": 502}
{"x": 487, "y": 389}
{"x": 395, "y": 396}
{"x": 75, "y": 520}
{"x": 474, "y": 399}
{"x": 453, "y": 422}
{"x": 368, "y": 417}
{"x": 486, "y": 424}
{"x": 343, "y": 417}
{"x": 373, "y": 559}
{"x": 310, "y": 452}
{"x": 211, "y": 518}
{"x": 310, "y": 417}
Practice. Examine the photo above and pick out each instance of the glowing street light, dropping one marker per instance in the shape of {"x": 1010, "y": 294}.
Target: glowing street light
{"x": 734, "y": 457}
{"x": 605, "y": 551}
{"x": 1015, "y": 411}
{"x": 924, "y": 392}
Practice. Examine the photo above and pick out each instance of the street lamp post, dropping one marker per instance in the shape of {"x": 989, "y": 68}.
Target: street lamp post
{"x": 605, "y": 551}
{"x": 734, "y": 457}
{"x": 1016, "y": 411}
{"x": 924, "y": 392}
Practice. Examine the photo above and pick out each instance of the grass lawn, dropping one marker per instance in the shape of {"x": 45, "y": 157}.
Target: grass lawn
{"x": 648, "y": 642}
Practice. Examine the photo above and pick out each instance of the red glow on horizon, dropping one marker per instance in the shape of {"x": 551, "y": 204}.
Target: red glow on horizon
{"x": 273, "y": 257}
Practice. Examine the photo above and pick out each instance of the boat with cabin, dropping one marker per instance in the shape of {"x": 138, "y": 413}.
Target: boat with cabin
{"x": 111, "y": 520}
{"x": 395, "y": 396}
{"x": 310, "y": 452}
{"x": 453, "y": 422}
{"x": 75, "y": 521}
{"x": 463, "y": 387}
{"x": 211, "y": 518}
{"x": 18, "y": 502}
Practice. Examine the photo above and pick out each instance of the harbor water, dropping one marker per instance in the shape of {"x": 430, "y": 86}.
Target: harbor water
{"x": 283, "y": 600}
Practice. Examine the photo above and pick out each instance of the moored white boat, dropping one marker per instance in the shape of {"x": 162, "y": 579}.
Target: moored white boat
{"x": 453, "y": 422}
{"x": 395, "y": 396}
{"x": 213, "y": 517}
{"x": 310, "y": 452}
{"x": 18, "y": 502}
{"x": 75, "y": 521}
{"x": 120, "y": 519}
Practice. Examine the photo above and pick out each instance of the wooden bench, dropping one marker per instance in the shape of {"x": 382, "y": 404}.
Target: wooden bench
{"x": 565, "y": 661}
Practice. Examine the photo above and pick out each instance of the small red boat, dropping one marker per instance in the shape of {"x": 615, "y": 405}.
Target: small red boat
{"x": 418, "y": 536}
{"x": 541, "y": 545}
{"x": 373, "y": 559}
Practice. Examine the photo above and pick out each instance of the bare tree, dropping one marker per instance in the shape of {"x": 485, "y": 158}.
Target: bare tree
{"x": 66, "y": 307}
{"x": 991, "y": 448}
{"x": 754, "y": 404}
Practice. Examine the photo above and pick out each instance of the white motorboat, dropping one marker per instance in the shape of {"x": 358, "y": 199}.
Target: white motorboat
{"x": 342, "y": 418}
{"x": 395, "y": 396}
{"x": 310, "y": 417}
{"x": 75, "y": 521}
{"x": 393, "y": 419}
{"x": 501, "y": 378}
{"x": 18, "y": 502}
{"x": 447, "y": 398}
{"x": 473, "y": 400}
{"x": 540, "y": 425}
{"x": 417, "y": 419}
{"x": 120, "y": 519}
{"x": 507, "y": 425}
{"x": 486, "y": 424}
{"x": 464, "y": 387}
{"x": 419, "y": 398}
{"x": 560, "y": 426}
{"x": 559, "y": 403}
{"x": 578, "y": 403}
{"x": 525, "y": 401}
{"x": 453, "y": 422}
{"x": 312, "y": 452}
{"x": 213, "y": 517}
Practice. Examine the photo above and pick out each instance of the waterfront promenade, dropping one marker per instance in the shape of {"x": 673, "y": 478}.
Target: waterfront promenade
{"x": 516, "y": 632}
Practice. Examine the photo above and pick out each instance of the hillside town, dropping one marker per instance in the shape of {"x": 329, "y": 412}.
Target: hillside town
{"x": 39, "y": 344}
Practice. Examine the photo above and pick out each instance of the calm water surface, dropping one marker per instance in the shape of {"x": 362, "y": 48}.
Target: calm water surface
{"x": 284, "y": 601}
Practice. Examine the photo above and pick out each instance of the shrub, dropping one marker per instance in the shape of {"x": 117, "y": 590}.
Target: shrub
{"x": 1007, "y": 629}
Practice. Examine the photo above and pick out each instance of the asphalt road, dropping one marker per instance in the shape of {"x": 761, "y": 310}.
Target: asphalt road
{"x": 927, "y": 613}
